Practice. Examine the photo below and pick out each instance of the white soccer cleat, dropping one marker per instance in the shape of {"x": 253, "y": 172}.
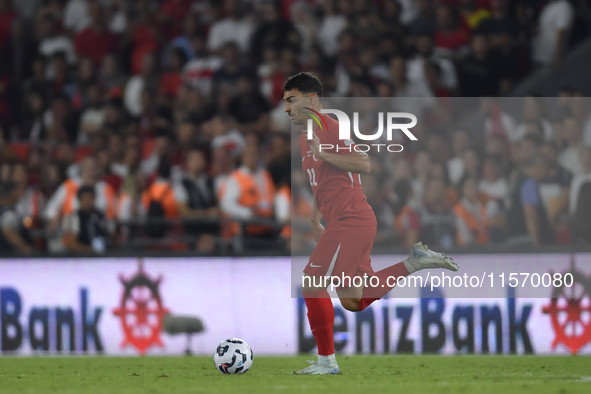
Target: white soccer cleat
{"x": 316, "y": 369}
{"x": 421, "y": 257}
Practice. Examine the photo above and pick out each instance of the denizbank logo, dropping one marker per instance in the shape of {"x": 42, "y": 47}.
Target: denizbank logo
{"x": 392, "y": 119}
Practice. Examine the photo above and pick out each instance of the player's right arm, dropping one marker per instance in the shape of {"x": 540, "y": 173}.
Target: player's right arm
{"x": 317, "y": 227}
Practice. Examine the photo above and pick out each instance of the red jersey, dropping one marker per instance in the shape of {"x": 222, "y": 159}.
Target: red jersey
{"x": 337, "y": 192}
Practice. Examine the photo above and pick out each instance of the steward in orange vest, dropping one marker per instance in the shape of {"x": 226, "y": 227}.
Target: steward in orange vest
{"x": 247, "y": 193}
{"x": 65, "y": 199}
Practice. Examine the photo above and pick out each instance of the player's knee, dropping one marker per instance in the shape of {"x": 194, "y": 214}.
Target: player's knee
{"x": 350, "y": 304}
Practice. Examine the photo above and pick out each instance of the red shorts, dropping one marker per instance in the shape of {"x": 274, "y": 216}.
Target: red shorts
{"x": 343, "y": 249}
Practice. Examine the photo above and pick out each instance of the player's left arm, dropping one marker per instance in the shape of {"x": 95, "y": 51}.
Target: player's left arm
{"x": 355, "y": 162}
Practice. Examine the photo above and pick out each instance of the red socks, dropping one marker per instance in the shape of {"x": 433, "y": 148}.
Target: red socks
{"x": 371, "y": 294}
{"x": 321, "y": 318}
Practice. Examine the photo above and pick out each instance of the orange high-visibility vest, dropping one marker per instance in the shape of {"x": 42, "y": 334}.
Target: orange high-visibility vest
{"x": 477, "y": 226}
{"x": 254, "y": 196}
{"x": 164, "y": 193}
{"x": 72, "y": 188}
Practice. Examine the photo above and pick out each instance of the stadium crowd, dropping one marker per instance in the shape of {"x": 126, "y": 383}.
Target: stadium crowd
{"x": 114, "y": 111}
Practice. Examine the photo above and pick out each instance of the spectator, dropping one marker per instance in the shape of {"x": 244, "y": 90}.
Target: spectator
{"x": 500, "y": 21}
{"x": 162, "y": 147}
{"x": 498, "y": 123}
{"x": 305, "y": 23}
{"x": 331, "y": 26}
{"x": 172, "y": 13}
{"x": 60, "y": 122}
{"x": 471, "y": 160}
{"x": 111, "y": 77}
{"x": 182, "y": 41}
{"x": 455, "y": 165}
{"x": 86, "y": 230}
{"x": 426, "y": 18}
{"x": 248, "y": 192}
{"x": 425, "y": 53}
{"x": 31, "y": 203}
{"x": 529, "y": 146}
{"x": 199, "y": 72}
{"x": 37, "y": 82}
{"x": 234, "y": 29}
{"x": 414, "y": 97}
{"x": 477, "y": 74}
{"x": 527, "y": 218}
{"x": 201, "y": 199}
{"x": 248, "y": 108}
{"x": 51, "y": 43}
{"x": 553, "y": 28}
{"x": 77, "y": 88}
{"x": 533, "y": 110}
{"x": 138, "y": 84}
{"x": 437, "y": 221}
{"x": 129, "y": 169}
{"x": 33, "y": 128}
{"x": 450, "y": 37}
{"x": 77, "y": 15}
{"x": 273, "y": 32}
{"x": 554, "y": 188}
{"x": 471, "y": 218}
{"x": 14, "y": 236}
{"x": 570, "y": 158}
{"x": 493, "y": 190}
{"x": 93, "y": 116}
{"x": 226, "y": 76}
{"x": 170, "y": 81}
{"x": 493, "y": 186}
{"x": 95, "y": 41}
{"x": 579, "y": 180}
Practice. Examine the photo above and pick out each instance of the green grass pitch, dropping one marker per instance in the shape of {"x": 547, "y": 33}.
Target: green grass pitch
{"x": 361, "y": 375}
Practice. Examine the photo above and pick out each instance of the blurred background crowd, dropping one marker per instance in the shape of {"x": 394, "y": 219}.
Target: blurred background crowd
{"x": 122, "y": 122}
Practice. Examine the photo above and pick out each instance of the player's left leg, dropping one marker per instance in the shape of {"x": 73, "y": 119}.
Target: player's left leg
{"x": 321, "y": 320}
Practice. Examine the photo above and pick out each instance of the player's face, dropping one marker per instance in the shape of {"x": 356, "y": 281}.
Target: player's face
{"x": 294, "y": 101}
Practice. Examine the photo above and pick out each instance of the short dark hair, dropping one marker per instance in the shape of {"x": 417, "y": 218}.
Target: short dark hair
{"x": 86, "y": 189}
{"x": 304, "y": 82}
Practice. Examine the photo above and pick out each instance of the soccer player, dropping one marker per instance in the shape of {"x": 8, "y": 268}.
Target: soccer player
{"x": 344, "y": 246}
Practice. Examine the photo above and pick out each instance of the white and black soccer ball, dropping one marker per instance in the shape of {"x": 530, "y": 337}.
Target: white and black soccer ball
{"x": 233, "y": 356}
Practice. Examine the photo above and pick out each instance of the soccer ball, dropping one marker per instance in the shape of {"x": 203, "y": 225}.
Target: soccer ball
{"x": 233, "y": 356}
